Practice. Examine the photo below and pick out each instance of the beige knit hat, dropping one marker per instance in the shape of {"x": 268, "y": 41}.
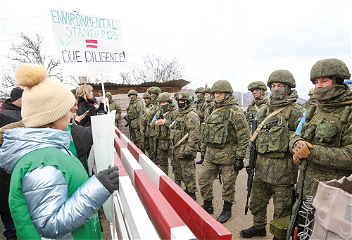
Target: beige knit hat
{"x": 44, "y": 100}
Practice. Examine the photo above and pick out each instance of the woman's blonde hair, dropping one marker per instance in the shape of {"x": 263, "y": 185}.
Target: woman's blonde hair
{"x": 84, "y": 91}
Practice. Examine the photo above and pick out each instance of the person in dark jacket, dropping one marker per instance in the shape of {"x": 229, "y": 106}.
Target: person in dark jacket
{"x": 13, "y": 105}
{"x": 86, "y": 105}
{"x": 10, "y": 230}
{"x": 82, "y": 139}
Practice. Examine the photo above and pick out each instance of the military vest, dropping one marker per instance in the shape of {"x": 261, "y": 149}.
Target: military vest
{"x": 324, "y": 128}
{"x": 217, "y": 133}
{"x": 273, "y": 138}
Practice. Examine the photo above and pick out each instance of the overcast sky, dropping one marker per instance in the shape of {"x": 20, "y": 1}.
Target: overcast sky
{"x": 240, "y": 41}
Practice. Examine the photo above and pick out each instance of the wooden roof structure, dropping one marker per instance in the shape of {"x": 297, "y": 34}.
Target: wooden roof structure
{"x": 115, "y": 88}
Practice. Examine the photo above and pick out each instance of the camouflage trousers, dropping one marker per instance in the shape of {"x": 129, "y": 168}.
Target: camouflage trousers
{"x": 145, "y": 145}
{"x": 162, "y": 157}
{"x": 152, "y": 149}
{"x": 136, "y": 137}
{"x": 260, "y": 196}
{"x": 187, "y": 171}
{"x": 208, "y": 172}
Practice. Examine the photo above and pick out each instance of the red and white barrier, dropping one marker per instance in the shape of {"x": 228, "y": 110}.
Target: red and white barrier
{"x": 202, "y": 224}
{"x": 137, "y": 221}
{"x": 167, "y": 222}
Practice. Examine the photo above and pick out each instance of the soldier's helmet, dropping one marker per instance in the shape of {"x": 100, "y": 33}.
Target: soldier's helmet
{"x": 222, "y": 86}
{"x": 206, "y": 90}
{"x": 165, "y": 97}
{"x": 282, "y": 76}
{"x": 199, "y": 90}
{"x": 132, "y": 92}
{"x": 257, "y": 85}
{"x": 184, "y": 95}
{"x": 108, "y": 95}
{"x": 155, "y": 90}
{"x": 329, "y": 68}
{"x": 146, "y": 95}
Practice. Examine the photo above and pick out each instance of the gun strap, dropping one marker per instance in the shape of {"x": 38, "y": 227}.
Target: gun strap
{"x": 255, "y": 134}
{"x": 181, "y": 140}
{"x": 218, "y": 109}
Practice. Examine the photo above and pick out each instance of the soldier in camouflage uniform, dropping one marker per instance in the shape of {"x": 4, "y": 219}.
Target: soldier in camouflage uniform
{"x": 153, "y": 108}
{"x": 114, "y": 106}
{"x": 226, "y": 135}
{"x": 325, "y": 139}
{"x": 200, "y": 103}
{"x": 208, "y": 108}
{"x": 144, "y": 125}
{"x": 260, "y": 96}
{"x": 185, "y": 135}
{"x": 134, "y": 112}
{"x": 275, "y": 173}
{"x": 311, "y": 100}
{"x": 165, "y": 116}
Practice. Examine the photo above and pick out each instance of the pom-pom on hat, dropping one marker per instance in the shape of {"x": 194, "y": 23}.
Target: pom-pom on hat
{"x": 44, "y": 100}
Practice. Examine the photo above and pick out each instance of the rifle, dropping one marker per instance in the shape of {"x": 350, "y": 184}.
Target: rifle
{"x": 250, "y": 170}
{"x": 299, "y": 197}
{"x": 128, "y": 122}
{"x": 171, "y": 145}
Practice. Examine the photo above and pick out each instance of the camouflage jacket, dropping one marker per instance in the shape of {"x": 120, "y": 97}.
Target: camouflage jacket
{"x": 143, "y": 120}
{"x": 274, "y": 163}
{"x": 153, "y": 108}
{"x": 113, "y": 106}
{"x": 200, "y": 107}
{"x": 135, "y": 111}
{"x": 162, "y": 131}
{"x": 225, "y": 133}
{"x": 308, "y": 103}
{"x": 186, "y": 122}
{"x": 254, "y": 107}
{"x": 328, "y": 127}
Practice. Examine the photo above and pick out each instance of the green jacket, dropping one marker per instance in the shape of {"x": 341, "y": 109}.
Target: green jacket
{"x": 225, "y": 133}
{"x": 274, "y": 163}
{"x": 186, "y": 122}
{"x": 135, "y": 111}
{"x": 114, "y": 106}
{"x": 254, "y": 107}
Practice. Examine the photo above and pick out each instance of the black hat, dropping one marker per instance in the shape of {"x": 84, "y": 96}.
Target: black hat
{"x": 16, "y": 93}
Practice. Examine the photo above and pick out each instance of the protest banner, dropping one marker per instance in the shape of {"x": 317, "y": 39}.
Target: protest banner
{"x": 87, "y": 44}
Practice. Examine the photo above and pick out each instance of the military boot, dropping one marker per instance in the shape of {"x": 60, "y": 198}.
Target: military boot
{"x": 253, "y": 232}
{"x": 208, "y": 206}
{"x": 226, "y": 212}
{"x": 192, "y": 195}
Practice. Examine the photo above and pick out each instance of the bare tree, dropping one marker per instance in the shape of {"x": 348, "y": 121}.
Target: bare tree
{"x": 164, "y": 70}
{"x": 27, "y": 50}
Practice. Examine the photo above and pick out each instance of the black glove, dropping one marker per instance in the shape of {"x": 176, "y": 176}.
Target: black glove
{"x": 248, "y": 170}
{"x": 238, "y": 164}
{"x": 202, "y": 155}
{"x": 187, "y": 156}
{"x": 109, "y": 178}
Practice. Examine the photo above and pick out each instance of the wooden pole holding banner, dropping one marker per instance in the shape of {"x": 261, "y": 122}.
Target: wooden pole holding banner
{"x": 103, "y": 90}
